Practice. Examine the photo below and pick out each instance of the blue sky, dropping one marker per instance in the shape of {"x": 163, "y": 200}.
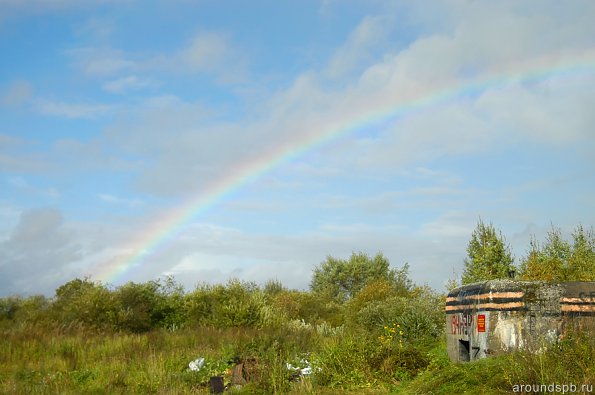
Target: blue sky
{"x": 115, "y": 113}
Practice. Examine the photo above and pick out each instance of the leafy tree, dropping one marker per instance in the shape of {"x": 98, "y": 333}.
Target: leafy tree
{"x": 83, "y": 301}
{"x": 9, "y": 306}
{"x": 273, "y": 287}
{"x": 342, "y": 279}
{"x": 313, "y": 308}
{"x": 488, "y": 257}
{"x": 236, "y": 304}
{"x": 420, "y": 314}
{"x": 581, "y": 263}
{"x": 169, "y": 312}
{"x": 138, "y": 306}
{"x": 374, "y": 291}
{"x": 561, "y": 260}
{"x": 30, "y": 309}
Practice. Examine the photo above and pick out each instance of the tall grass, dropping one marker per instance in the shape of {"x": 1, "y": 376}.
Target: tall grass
{"x": 140, "y": 338}
{"x": 571, "y": 361}
{"x": 154, "y": 362}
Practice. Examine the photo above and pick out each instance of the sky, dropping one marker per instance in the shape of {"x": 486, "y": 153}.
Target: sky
{"x": 210, "y": 140}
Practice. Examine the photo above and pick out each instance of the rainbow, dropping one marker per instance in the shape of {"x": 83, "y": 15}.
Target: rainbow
{"x": 171, "y": 222}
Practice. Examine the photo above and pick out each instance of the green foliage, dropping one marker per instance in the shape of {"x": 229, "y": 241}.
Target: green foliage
{"x": 169, "y": 312}
{"x": 560, "y": 260}
{"x": 364, "y": 327}
{"x": 374, "y": 291}
{"x": 9, "y": 307}
{"x": 343, "y": 362}
{"x": 237, "y": 304}
{"x": 84, "y": 302}
{"x": 343, "y": 279}
{"x": 307, "y": 306}
{"x": 16, "y": 309}
{"x": 131, "y": 307}
{"x": 572, "y": 360}
{"x": 421, "y": 315}
{"x": 273, "y": 287}
{"x": 486, "y": 376}
{"x": 137, "y": 306}
{"x": 488, "y": 257}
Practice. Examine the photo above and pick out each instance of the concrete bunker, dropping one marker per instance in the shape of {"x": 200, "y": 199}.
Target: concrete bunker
{"x": 493, "y": 317}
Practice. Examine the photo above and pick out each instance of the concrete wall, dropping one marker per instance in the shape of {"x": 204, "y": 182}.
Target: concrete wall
{"x": 493, "y": 317}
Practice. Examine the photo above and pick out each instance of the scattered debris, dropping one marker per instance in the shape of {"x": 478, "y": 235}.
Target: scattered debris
{"x": 238, "y": 371}
{"x": 197, "y": 364}
{"x": 305, "y": 368}
{"x": 238, "y": 375}
{"x": 216, "y": 385}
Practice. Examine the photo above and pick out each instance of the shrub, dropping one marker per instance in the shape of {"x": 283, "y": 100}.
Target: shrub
{"x": 84, "y": 302}
{"x": 421, "y": 316}
{"x": 310, "y": 307}
{"x": 137, "y": 306}
{"x": 572, "y": 360}
{"x": 342, "y": 362}
{"x": 9, "y": 307}
{"x": 237, "y": 304}
{"x": 342, "y": 279}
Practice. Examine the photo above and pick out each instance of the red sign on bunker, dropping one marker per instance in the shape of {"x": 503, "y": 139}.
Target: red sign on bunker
{"x": 481, "y": 323}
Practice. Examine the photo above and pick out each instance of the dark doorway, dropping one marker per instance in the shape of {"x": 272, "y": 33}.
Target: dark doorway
{"x": 464, "y": 355}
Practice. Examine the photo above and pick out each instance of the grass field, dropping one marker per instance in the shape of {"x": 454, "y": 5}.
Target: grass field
{"x": 386, "y": 338}
{"x": 79, "y": 361}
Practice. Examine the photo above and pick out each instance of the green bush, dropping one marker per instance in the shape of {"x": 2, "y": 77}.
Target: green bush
{"x": 421, "y": 315}
{"x": 560, "y": 260}
{"x": 572, "y": 360}
{"x": 342, "y": 362}
{"x": 9, "y": 306}
{"x": 84, "y": 302}
{"x": 169, "y": 313}
{"x": 136, "y": 306}
{"x": 312, "y": 308}
{"x": 237, "y": 304}
{"x": 342, "y": 279}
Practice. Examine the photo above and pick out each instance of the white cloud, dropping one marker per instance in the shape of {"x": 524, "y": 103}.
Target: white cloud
{"x": 17, "y": 94}
{"x": 72, "y": 110}
{"x": 210, "y": 253}
{"x": 18, "y": 182}
{"x": 21, "y": 184}
{"x": 555, "y": 110}
{"x": 108, "y": 198}
{"x": 16, "y": 155}
{"x": 102, "y": 60}
{"x": 448, "y": 97}
{"x": 454, "y": 224}
{"x": 99, "y": 29}
{"x": 125, "y": 84}
{"x": 38, "y": 254}
{"x": 368, "y": 37}
{"x": 207, "y": 53}
{"x": 491, "y": 77}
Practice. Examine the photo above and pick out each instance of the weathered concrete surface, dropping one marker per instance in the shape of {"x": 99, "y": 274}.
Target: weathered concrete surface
{"x": 493, "y": 317}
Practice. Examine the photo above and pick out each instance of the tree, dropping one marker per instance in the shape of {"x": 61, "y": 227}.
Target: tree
{"x": 488, "y": 257}
{"x": 560, "y": 260}
{"x": 138, "y": 306}
{"x": 83, "y": 301}
{"x": 342, "y": 279}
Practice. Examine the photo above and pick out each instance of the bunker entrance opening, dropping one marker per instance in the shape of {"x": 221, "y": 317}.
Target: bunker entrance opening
{"x": 464, "y": 354}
